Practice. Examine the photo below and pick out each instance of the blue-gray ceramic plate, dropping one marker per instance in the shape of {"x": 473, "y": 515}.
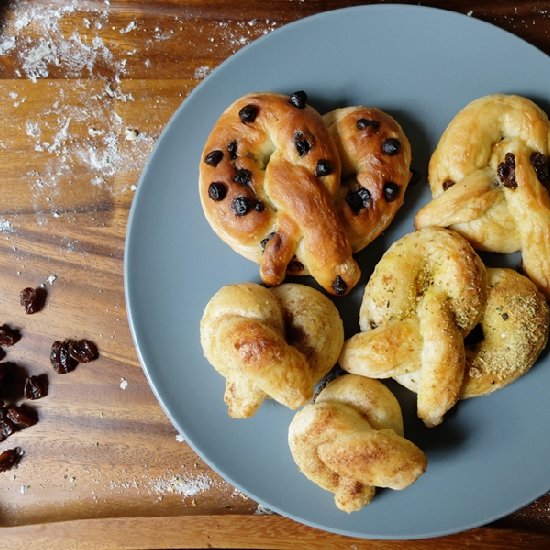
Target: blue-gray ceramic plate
{"x": 421, "y": 65}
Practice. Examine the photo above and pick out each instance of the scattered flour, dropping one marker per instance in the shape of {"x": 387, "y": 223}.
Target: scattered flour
{"x": 123, "y": 383}
{"x": 183, "y": 485}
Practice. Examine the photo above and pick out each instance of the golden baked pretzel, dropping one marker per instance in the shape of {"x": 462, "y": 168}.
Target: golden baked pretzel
{"x": 512, "y": 333}
{"x": 351, "y": 440}
{"x": 270, "y": 185}
{"x": 376, "y": 158}
{"x": 269, "y": 177}
{"x": 489, "y": 178}
{"x": 425, "y": 295}
{"x": 276, "y": 343}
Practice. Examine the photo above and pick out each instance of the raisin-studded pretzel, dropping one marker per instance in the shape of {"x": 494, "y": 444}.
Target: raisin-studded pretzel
{"x": 376, "y": 157}
{"x": 276, "y": 342}
{"x": 425, "y": 295}
{"x": 351, "y": 440}
{"x": 270, "y": 185}
{"x": 489, "y": 178}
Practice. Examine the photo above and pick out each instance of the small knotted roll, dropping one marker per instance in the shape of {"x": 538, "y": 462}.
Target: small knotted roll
{"x": 276, "y": 343}
{"x": 351, "y": 440}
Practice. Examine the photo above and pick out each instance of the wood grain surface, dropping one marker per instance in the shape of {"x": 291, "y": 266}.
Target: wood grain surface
{"x": 86, "y": 87}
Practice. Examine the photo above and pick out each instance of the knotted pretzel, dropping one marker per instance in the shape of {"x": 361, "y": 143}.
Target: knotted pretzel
{"x": 512, "y": 334}
{"x": 270, "y": 185}
{"x": 425, "y": 295}
{"x": 351, "y": 440}
{"x": 274, "y": 343}
{"x": 376, "y": 157}
{"x": 489, "y": 178}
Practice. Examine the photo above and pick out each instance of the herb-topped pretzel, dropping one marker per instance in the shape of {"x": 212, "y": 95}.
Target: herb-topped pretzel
{"x": 270, "y": 186}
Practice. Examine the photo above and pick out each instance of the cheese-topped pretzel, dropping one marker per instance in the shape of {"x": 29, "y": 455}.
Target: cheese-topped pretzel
{"x": 427, "y": 292}
{"x": 269, "y": 179}
{"x": 351, "y": 440}
{"x": 276, "y": 342}
{"x": 376, "y": 158}
{"x": 489, "y": 178}
{"x": 508, "y": 341}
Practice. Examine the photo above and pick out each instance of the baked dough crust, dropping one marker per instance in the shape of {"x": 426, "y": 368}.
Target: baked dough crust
{"x": 274, "y": 343}
{"x": 425, "y": 295}
{"x": 270, "y": 185}
{"x": 489, "y": 177}
{"x": 351, "y": 440}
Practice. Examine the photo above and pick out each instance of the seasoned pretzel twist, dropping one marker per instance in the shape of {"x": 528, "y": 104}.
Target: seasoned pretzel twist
{"x": 351, "y": 440}
{"x": 489, "y": 178}
{"x": 274, "y": 343}
{"x": 427, "y": 292}
{"x": 270, "y": 185}
{"x": 511, "y": 335}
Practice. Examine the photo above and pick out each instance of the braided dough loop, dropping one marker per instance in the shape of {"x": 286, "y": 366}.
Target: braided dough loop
{"x": 276, "y": 172}
{"x": 514, "y": 331}
{"x": 274, "y": 343}
{"x": 351, "y": 440}
{"x": 489, "y": 176}
{"x": 426, "y": 293}
{"x": 376, "y": 158}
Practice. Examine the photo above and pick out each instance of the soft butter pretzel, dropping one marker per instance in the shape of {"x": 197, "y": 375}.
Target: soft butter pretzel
{"x": 426, "y": 293}
{"x": 269, "y": 178}
{"x": 512, "y": 333}
{"x": 351, "y": 440}
{"x": 274, "y": 343}
{"x": 489, "y": 176}
{"x": 376, "y": 158}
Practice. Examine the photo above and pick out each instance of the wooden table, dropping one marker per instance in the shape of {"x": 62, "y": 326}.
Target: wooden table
{"x": 86, "y": 88}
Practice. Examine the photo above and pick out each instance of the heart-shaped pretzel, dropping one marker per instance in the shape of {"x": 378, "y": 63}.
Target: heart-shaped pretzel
{"x": 427, "y": 292}
{"x": 270, "y": 185}
{"x": 276, "y": 342}
{"x": 489, "y": 178}
{"x": 351, "y": 440}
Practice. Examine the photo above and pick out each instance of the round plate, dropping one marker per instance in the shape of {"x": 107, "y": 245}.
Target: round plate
{"x": 422, "y": 65}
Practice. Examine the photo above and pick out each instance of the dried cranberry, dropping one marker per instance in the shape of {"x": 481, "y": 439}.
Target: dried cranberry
{"x": 8, "y": 459}
{"x": 391, "y": 191}
{"x": 217, "y": 190}
{"x": 298, "y": 99}
{"x": 359, "y": 198}
{"x": 303, "y": 146}
{"x": 339, "y": 286}
{"x": 323, "y": 168}
{"x": 83, "y": 351}
{"x": 541, "y": 167}
{"x": 242, "y": 205}
{"x": 22, "y": 417}
{"x": 8, "y": 336}
{"x": 507, "y": 171}
{"x": 7, "y": 427}
{"x": 232, "y": 149}
{"x": 60, "y": 358}
{"x": 214, "y": 157}
{"x": 34, "y": 299}
{"x": 35, "y": 387}
{"x": 248, "y": 113}
{"x": 391, "y": 146}
{"x": 243, "y": 177}
{"x": 364, "y": 123}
